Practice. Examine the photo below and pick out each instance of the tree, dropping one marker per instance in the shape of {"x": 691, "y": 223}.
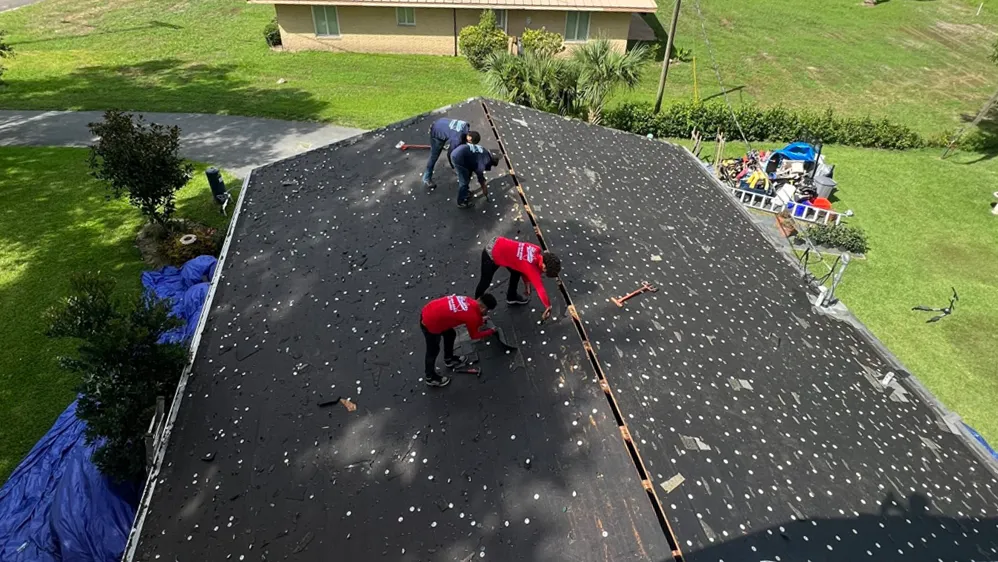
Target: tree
{"x": 6, "y": 52}
{"x": 574, "y": 86}
{"x": 602, "y": 70}
{"x": 121, "y": 366}
{"x": 542, "y": 41}
{"x": 141, "y": 160}
{"x": 534, "y": 80}
{"x": 479, "y": 42}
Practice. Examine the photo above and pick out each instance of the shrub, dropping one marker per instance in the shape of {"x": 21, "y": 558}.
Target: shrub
{"x": 272, "y": 33}
{"x": 774, "y": 124}
{"x": 206, "y": 243}
{"x": 848, "y": 238}
{"x": 681, "y": 54}
{"x": 6, "y": 51}
{"x": 542, "y": 42}
{"x": 479, "y": 42}
{"x": 140, "y": 160}
{"x": 121, "y": 366}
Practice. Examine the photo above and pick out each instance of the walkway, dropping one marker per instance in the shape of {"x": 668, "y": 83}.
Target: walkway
{"x": 236, "y": 144}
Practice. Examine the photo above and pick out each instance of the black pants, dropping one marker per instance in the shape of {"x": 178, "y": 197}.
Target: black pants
{"x": 489, "y": 269}
{"x": 433, "y": 349}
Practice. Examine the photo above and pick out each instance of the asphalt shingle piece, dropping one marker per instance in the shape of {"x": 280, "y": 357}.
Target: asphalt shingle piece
{"x": 804, "y": 460}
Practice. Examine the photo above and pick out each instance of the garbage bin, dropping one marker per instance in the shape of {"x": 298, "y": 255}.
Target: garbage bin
{"x": 216, "y": 183}
{"x": 825, "y": 186}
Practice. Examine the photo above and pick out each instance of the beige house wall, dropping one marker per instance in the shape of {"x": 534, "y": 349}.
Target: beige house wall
{"x": 366, "y": 29}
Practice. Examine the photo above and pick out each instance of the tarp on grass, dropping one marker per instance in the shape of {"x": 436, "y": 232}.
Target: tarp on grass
{"x": 56, "y": 506}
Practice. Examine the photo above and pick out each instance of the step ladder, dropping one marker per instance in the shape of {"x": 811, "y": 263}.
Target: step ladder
{"x": 770, "y": 204}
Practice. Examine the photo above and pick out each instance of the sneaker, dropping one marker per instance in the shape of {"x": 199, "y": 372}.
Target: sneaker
{"x": 437, "y": 382}
{"x": 519, "y": 299}
{"x": 429, "y": 185}
{"x": 465, "y": 204}
{"x": 455, "y": 362}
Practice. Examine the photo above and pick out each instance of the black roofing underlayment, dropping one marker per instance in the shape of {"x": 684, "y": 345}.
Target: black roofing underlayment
{"x": 771, "y": 416}
{"x": 787, "y": 447}
{"x": 333, "y": 256}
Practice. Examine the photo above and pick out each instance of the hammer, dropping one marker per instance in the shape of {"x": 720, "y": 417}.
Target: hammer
{"x": 403, "y": 146}
{"x": 645, "y": 286}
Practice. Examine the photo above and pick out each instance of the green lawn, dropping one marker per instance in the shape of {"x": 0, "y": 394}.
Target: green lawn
{"x": 930, "y": 228}
{"x": 921, "y": 63}
{"x": 56, "y": 221}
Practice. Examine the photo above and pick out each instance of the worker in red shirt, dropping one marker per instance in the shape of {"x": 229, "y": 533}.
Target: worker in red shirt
{"x": 439, "y": 318}
{"x": 521, "y": 259}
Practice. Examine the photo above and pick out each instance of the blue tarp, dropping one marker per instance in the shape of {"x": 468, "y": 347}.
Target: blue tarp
{"x": 797, "y": 151}
{"x": 982, "y": 441}
{"x": 56, "y": 506}
{"x": 187, "y": 288}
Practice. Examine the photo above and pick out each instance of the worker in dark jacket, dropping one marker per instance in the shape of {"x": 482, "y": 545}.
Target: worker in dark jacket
{"x": 468, "y": 159}
{"x": 439, "y": 318}
{"x": 452, "y": 132}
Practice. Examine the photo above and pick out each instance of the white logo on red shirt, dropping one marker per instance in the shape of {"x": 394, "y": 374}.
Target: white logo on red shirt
{"x": 525, "y": 252}
{"x": 457, "y": 304}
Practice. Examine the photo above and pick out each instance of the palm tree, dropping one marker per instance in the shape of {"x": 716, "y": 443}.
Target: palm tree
{"x": 602, "y": 69}
{"x": 535, "y": 80}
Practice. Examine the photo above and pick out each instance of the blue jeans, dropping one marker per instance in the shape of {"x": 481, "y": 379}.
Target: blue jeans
{"x": 463, "y": 179}
{"x": 436, "y": 147}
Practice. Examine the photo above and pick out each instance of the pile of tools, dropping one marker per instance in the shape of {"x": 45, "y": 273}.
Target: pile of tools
{"x": 796, "y": 173}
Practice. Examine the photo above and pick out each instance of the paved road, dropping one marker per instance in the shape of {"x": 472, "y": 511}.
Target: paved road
{"x": 237, "y": 144}
{"x": 11, "y": 4}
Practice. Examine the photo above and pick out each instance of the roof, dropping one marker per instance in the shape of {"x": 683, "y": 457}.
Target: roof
{"x": 648, "y": 6}
{"x": 720, "y": 417}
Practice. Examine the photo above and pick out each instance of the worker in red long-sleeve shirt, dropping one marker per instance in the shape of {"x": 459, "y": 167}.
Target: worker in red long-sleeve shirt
{"x": 520, "y": 258}
{"x": 439, "y": 318}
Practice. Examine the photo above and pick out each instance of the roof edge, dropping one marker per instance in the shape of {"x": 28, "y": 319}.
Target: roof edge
{"x": 647, "y": 8}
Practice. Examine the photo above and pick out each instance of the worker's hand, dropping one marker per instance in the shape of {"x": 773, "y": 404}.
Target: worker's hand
{"x": 527, "y": 288}
{"x": 547, "y": 314}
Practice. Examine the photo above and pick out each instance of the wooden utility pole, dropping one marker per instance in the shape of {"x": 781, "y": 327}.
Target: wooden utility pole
{"x": 668, "y": 53}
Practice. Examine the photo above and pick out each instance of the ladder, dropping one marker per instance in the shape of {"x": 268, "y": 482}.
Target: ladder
{"x": 771, "y": 204}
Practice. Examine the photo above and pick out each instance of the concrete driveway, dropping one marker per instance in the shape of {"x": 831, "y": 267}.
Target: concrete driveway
{"x": 236, "y": 144}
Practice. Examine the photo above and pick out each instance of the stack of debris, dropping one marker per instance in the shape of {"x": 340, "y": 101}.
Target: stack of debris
{"x": 794, "y": 178}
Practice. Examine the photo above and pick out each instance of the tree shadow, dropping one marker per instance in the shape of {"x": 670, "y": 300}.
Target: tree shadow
{"x": 983, "y": 138}
{"x": 153, "y": 24}
{"x": 162, "y": 85}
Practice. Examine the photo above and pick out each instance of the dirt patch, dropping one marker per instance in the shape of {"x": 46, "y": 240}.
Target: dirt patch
{"x": 727, "y": 24}
{"x": 149, "y": 242}
{"x": 154, "y": 242}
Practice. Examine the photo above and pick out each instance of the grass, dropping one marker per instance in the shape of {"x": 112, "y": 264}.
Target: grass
{"x": 920, "y": 63}
{"x": 929, "y": 226}
{"x": 923, "y": 64}
{"x": 56, "y": 221}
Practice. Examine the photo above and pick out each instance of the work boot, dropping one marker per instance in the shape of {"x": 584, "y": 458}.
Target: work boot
{"x": 465, "y": 204}
{"x": 429, "y": 185}
{"x": 455, "y": 362}
{"x": 438, "y": 381}
{"x": 517, "y": 300}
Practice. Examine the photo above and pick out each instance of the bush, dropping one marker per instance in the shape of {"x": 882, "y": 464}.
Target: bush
{"x": 141, "y": 160}
{"x": 849, "y": 238}
{"x": 479, "y": 42}
{"x": 206, "y": 243}
{"x": 6, "y": 51}
{"x": 272, "y": 33}
{"x": 774, "y": 124}
{"x": 121, "y": 366}
{"x": 542, "y": 42}
{"x": 681, "y": 54}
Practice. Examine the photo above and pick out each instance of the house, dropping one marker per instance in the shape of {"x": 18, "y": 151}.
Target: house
{"x": 431, "y": 27}
{"x": 722, "y": 417}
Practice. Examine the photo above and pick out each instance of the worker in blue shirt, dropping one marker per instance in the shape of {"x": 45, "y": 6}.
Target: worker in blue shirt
{"x": 453, "y": 132}
{"x": 469, "y": 158}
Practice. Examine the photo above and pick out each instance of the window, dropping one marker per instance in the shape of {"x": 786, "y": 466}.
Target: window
{"x": 577, "y": 26}
{"x": 327, "y": 24}
{"x": 500, "y": 19}
{"x": 405, "y": 16}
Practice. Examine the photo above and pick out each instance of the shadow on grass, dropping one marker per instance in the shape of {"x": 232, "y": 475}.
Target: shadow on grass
{"x": 163, "y": 85}
{"x": 54, "y": 221}
{"x": 146, "y": 27}
{"x": 984, "y": 137}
